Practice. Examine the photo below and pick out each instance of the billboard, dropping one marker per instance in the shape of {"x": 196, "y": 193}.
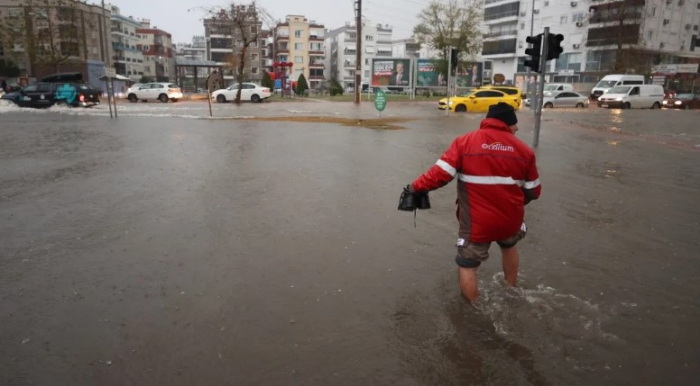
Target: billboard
{"x": 469, "y": 74}
{"x": 391, "y": 72}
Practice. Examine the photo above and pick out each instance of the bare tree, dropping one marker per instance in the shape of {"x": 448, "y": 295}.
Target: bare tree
{"x": 618, "y": 24}
{"x": 244, "y": 24}
{"x": 451, "y": 23}
{"x": 48, "y": 32}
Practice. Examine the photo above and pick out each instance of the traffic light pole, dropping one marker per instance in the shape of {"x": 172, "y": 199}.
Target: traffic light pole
{"x": 540, "y": 86}
{"x": 449, "y": 78}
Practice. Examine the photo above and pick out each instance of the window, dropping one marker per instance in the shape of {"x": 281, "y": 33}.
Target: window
{"x": 581, "y": 16}
{"x": 298, "y": 59}
{"x": 650, "y": 35}
{"x": 316, "y": 47}
{"x": 501, "y": 11}
{"x": 369, "y": 38}
{"x": 522, "y": 25}
{"x": 653, "y": 11}
{"x": 635, "y": 91}
{"x": 489, "y": 94}
{"x": 563, "y": 19}
{"x": 43, "y": 87}
{"x": 254, "y": 70}
{"x": 253, "y": 57}
{"x": 546, "y": 3}
{"x": 298, "y": 46}
{"x": 367, "y": 74}
{"x": 299, "y": 33}
{"x": 367, "y": 61}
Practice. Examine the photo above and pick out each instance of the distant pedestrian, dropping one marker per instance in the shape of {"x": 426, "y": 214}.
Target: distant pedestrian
{"x": 3, "y": 85}
{"x": 497, "y": 176}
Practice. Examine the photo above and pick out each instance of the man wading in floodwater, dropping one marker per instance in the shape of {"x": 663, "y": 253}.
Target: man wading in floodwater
{"x": 497, "y": 176}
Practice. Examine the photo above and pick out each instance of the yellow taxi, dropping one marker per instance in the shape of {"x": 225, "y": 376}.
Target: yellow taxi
{"x": 479, "y": 100}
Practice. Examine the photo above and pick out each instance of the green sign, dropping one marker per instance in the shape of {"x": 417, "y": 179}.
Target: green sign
{"x": 380, "y": 100}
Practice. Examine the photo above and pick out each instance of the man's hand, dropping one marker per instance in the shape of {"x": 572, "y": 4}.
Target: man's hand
{"x": 407, "y": 201}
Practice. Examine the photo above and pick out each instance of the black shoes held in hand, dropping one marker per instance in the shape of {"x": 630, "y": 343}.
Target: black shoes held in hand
{"x": 411, "y": 201}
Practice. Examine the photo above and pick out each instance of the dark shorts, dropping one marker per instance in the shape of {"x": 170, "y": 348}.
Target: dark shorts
{"x": 471, "y": 255}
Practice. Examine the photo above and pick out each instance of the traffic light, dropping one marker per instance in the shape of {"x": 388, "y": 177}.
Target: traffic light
{"x": 454, "y": 57}
{"x": 534, "y": 52}
{"x": 554, "y": 46}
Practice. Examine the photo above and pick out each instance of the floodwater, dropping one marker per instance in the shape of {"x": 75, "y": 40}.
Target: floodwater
{"x": 164, "y": 248}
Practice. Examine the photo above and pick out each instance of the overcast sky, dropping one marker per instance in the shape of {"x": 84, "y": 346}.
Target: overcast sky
{"x": 183, "y": 18}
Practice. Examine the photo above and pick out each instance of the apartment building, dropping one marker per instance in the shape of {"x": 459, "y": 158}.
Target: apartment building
{"x": 341, "y": 49}
{"x": 65, "y": 36}
{"x": 405, "y": 48}
{"x": 600, "y": 36}
{"x": 158, "y": 53}
{"x": 224, "y": 42}
{"x": 128, "y": 58}
{"x": 301, "y": 41}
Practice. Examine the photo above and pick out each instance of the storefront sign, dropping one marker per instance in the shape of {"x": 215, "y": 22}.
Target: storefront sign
{"x": 675, "y": 69}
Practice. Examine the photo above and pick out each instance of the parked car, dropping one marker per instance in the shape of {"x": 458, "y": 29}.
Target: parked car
{"x": 163, "y": 92}
{"x": 479, "y": 101}
{"x": 44, "y": 94}
{"x": 249, "y": 92}
{"x": 645, "y": 96}
{"x": 610, "y": 81}
{"x": 682, "y": 101}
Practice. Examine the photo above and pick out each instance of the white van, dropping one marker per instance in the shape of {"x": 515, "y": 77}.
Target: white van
{"x": 555, "y": 87}
{"x": 610, "y": 81}
{"x": 645, "y": 96}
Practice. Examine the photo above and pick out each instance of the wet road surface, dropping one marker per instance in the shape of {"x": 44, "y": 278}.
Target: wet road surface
{"x": 171, "y": 249}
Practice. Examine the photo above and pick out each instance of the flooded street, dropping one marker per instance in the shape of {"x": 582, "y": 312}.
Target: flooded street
{"x": 163, "y": 247}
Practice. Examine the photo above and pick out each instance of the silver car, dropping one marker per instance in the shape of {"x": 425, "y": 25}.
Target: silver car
{"x": 564, "y": 99}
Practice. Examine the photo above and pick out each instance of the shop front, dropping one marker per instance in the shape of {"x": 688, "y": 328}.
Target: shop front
{"x": 677, "y": 78}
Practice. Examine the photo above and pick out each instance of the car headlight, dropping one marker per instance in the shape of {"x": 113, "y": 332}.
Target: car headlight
{"x": 452, "y": 102}
{"x": 618, "y": 99}
{"x": 678, "y": 103}
{"x": 665, "y": 102}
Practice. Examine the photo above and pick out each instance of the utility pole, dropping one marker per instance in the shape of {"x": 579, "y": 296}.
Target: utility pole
{"x": 358, "y": 54}
{"x": 449, "y": 79}
{"x": 540, "y": 86}
{"x": 107, "y": 41}
{"x": 532, "y": 32}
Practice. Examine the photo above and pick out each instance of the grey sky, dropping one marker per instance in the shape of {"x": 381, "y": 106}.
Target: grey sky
{"x": 174, "y": 17}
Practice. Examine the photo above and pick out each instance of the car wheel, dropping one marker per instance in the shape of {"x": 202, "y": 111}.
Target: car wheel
{"x": 221, "y": 98}
{"x": 626, "y": 106}
{"x": 655, "y": 106}
{"x": 255, "y": 98}
{"x": 163, "y": 98}
{"x": 687, "y": 107}
{"x": 548, "y": 105}
{"x": 580, "y": 105}
{"x": 133, "y": 98}
{"x": 460, "y": 109}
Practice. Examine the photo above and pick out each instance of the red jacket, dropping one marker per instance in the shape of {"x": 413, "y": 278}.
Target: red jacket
{"x": 497, "y": 176}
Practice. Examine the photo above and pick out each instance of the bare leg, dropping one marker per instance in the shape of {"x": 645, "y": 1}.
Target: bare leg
{"x": 468, "y": 283}
{"x": 511, "y": 261}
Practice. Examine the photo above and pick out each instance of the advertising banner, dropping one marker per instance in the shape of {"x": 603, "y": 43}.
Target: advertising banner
{"x": 469, "y": 74}
{"x": 391, "y": 72}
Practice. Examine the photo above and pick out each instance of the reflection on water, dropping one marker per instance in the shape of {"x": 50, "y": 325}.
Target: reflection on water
{"x": 529, "y": 335}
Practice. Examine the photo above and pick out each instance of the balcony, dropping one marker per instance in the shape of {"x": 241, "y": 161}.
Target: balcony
{"x": 316, "y": 64}
{"x": 350, "y": 52}
{"x": 282, "y": 52}
{"x": 497, "y": 34}
{"x": 316, "y": 38}
{"x": 384, "y": 53}
{"x": 605, "y": 17}
{"x": 317, "y": 53}
{"x": 349, "y": 64}
{"x": 282, "y": 37}
{"x": 613, "y": 36}
{"x": 498, "y": 47}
